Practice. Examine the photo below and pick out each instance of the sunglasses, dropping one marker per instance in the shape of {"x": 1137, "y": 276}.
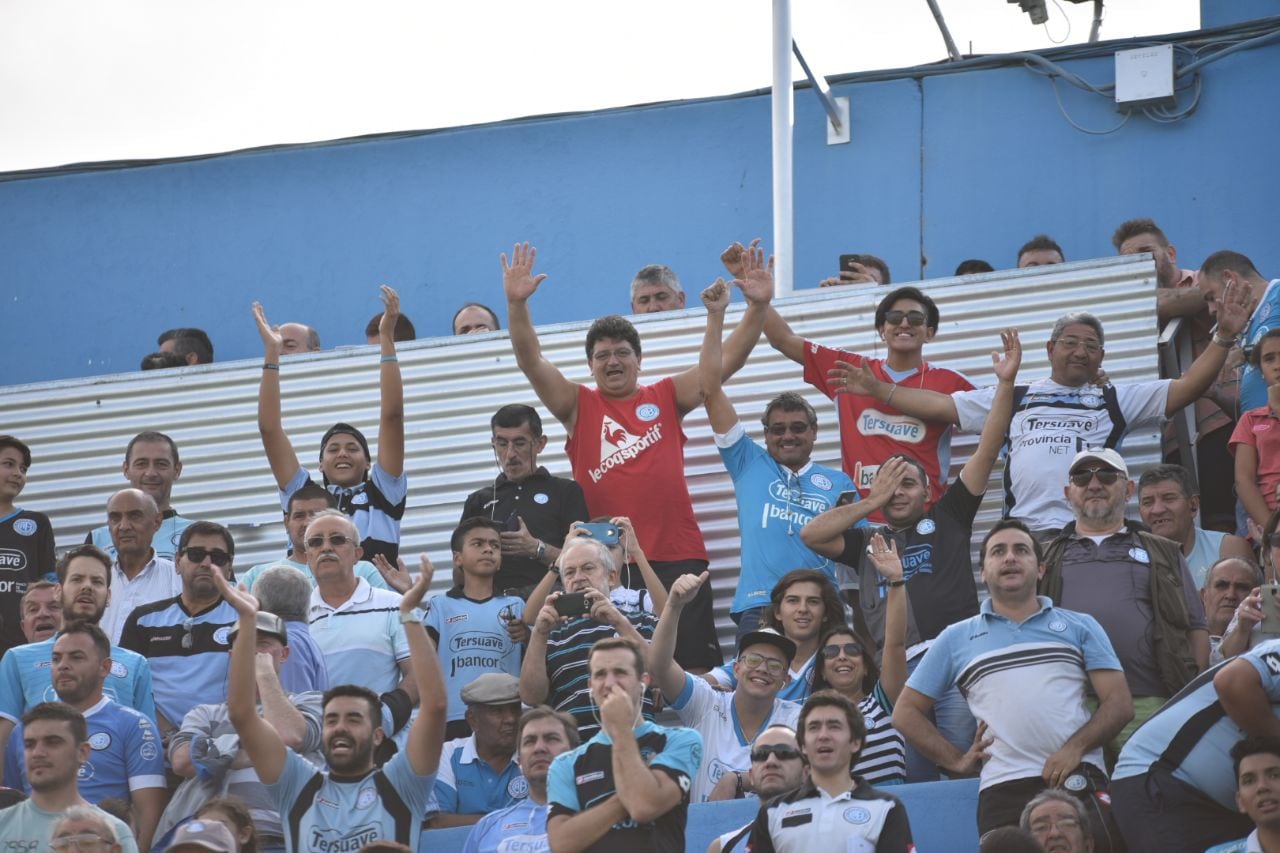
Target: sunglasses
{"x": 1106, "y": 476}
{"x": 795, "y": 428}
{"x": 337, "y": 540}
{"x": 785, "y": 753}
{"x": 852, "y": 650}
{"x": 894, "y": 318}
{"x": 196, "y": 555}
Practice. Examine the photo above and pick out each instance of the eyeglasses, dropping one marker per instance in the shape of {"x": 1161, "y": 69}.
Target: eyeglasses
{"x": 604, "y": 355}
{"x": 795, "y": 428}
{"x": 785, "y": 753}
{"x": 82, "y": 841}
{"x": 337, "y": 540}
{"x": 1091, "y": 347}
{"x": 196, "y": 555}
{"x": 1106, "y": 476}
{"x": 1063, "y": 824}
{"x": 894, "y": 318}
{"x": 753, "y": 661}
{"x": 852, "y": 650}
{"x": 521, "y": 445}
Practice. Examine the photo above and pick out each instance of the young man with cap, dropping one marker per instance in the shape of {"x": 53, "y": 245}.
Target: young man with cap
{"x": 372, "y": 492}
{"x": 728, "y": 722}
{"x": 479, "y": 773}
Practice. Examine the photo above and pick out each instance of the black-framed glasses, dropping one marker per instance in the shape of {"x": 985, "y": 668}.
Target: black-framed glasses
{"x": 753, "y": 661}
{"x": 832, "y": 651}
{"x": 188, "y": 635}
{"x": 784, "y": 752}
{"x": 894, "y": 318}
{"x": 218, "y": 557}
{"x": 337, "y": 540}
{"x": 1106, "y": 476}
{"x": 795, "y": 428}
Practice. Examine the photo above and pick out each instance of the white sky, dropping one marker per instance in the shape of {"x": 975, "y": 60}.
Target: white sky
{"x": 86, "y": 81}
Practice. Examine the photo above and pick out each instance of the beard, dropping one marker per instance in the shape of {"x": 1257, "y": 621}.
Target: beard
{"x": 360, "y": 757}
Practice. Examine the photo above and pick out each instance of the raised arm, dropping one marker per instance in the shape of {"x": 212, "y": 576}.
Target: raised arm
{"x": 647, "y": 794}
{"x": 280, "y": 454}
{"x": 917, "y": 402}
{"x": 1178, "y": 302}
{"x": 534, "y": 685}
{"x": 633, "y": 553}
{"x": 575, "y": 833}
{"x": 257, "y": 737}
{"x": 977, "y": 470}
{"x": 1115, "y": 710}
{"x": 776, "y": 329}
{"x": 1233, "y": 316}
{"x": 1244, "y": 699}
{"x": 281, "y": 713}
{"x": 426, "y": 735}
{"x": 893, "y": 659}
{"x": 556, "y": 392}
{"x": 719, "y": 409}
{"x": 391, "y": 386}
{"x": 667, "y": 674}
{"x": 825, "y": 533}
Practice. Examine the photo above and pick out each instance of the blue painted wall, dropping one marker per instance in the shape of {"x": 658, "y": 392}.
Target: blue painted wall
{"x": 941, "y": 168}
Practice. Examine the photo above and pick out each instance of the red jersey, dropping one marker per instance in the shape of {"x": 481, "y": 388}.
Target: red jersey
{"x": 871, "y": 432}
{"x": 628, "y": 457}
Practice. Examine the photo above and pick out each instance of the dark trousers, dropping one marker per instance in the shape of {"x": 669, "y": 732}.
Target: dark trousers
{"x": 1002, "y": 805}
{"x": 697, "y": 647}
{"x": 1159, "y": 812}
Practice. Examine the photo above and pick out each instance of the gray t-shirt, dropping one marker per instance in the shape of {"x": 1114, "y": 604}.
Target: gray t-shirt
{"x": 27, "y": 827}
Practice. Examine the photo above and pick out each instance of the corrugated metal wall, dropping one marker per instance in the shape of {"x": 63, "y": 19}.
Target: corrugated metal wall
{"x": 78, "y": 429}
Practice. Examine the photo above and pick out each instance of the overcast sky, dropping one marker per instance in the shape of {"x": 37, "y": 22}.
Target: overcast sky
{"x": 158, "y": 78}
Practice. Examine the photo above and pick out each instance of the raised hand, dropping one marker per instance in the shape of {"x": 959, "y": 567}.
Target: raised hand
{"x": 617, "y": 713}
{"x": 716, "y": 297}
{"x": 1006, "y": 365}
{"x": 238, "y": 597}
{"x": 756, "y": 282}
{"x": 518, "y": 279}
{"x": 685, "y": 588}
{"x": 732, "y": 257}
{"x": 630, "y": 544}
{"x": 519, "y": 542}
{"x": 413, "y": 596}
{"x": 884, "y": 556}
{"x": 1233, "y": 308}
{"x": 397, "y": 576}
{"x": 844, "y": 378}
{"x": 390, "y": 312}
{"x": 888, "y": 478}
{"x": 271, "y": 339}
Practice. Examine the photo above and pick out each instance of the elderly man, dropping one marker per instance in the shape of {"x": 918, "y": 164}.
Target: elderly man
{"x": 1059, "y": 822}
{"x": 1232, "y": 611}
{"x": 541, "y": 735}
{"x": 1168, "y": 502}
{"x": 296, "y": 338}
{"x": 776, "y": 767}
{"x": 655, "y": 288}
{"x": 626, "y": 442}
{"x": 286, "y": 592}
{"x": 555, "y": 664}
{"x": 479, "y": 773}
{"x": 1137, "y": 585}
{"x": 152, "y": 465}
{"x": 41, "y": 609}
{"x": 140, "y": 576}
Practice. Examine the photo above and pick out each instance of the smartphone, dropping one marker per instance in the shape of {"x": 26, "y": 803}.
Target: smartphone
{"x": 847, "y": 498}
{"x": 1271, "y": 609}
{"x": 572, "y": 604}
{"x": 512, "y": 523}
{"x": 609, "y": 534}
{"x": 847, "y": 262}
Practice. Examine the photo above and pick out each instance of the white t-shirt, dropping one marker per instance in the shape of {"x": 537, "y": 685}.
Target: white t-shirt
{"x": 1050, "y": 425}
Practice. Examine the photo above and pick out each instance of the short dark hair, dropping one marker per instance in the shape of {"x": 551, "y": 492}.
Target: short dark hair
{"x": 545, "y": 712}
{"x": 161, "y": 361}
{"x": 916, "y": 295}
{"x": 1170, "y": 473}
{"x": 609, "y": 644}
{"x": 90, "y": 630}
{"x": 1010, "y": 524}
{"x": 616, "y": 328}
{"x": 1131, "y": 228}
{"x": 973, "y": 265}
{"x": 187, "y": 341}
{"x": 832, "y": 607}
{"x": 311, "y": 491}
{"x": 453, "y": 326}
{"x": 1040, "y": 242}
{"x": 59, "y": 712}
{"x": 359, "y": 692}
{"x": 870, "y": 672}
{"x": 913, "y": 462}
{"x": 1255, "y": 352}
{"x": 1252, "y": 745}
{"x": 832, "y": 699}
{"x": 18, "y": 445}
{"x": 206, "y": 528}
{"x": 790, "y": 401}
{"x": 404, "y": 328}
{"x": 85, "y": 550}
{"x": 1225, "y": 259}
{"x": 469, "y": 524}
{"x": 151, "y": 436}
{"x": 516, "y": 415}
{"x": 873, "y": 261}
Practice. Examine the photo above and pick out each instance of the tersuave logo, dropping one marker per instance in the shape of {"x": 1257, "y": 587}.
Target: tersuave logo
{"x": 897, "y": 427}
{"x": 11, "y": 560}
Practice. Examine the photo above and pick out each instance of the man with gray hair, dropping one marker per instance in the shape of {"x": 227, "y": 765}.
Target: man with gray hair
{"x": 555, "y": 669}
{"x": 656, "y": 288}
{"x": 1055, "y": 418}
{"x": 83, "y": 828}
{"x": 1059, "y": 822}
{"x": 286, "y": 592}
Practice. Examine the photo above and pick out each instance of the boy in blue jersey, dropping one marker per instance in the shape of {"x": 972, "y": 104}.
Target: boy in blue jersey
{"x": 354, "y": 802}
{"x": 151, "y": 465}
{"x": 26, "y": 541}
{"x": 779, "y": 489}
{"x": 372, "y": 492}
{"x": 476, "y": 630}
{"x": 1256, "y": 761}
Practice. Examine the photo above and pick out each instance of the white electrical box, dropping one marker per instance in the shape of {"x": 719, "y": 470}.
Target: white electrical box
{"x": 1144, "y": 75}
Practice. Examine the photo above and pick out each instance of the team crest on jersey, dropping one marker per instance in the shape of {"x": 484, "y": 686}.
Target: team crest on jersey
{"x": 24, "y": 527}
{"x": 99, "y": 740}
{"x": 647, "y": 412}
{"x": 1058, "y": 625}
{"x": 1075, "y": 782}
{"x": 12, "y": 560}
{"x": 359, "y": 499}
{"x": 541, "y": 498}
{"x": 220, "y": 635}
{"x": 926, "y": 526}
{"x": 1140, "y": 555}
{"x": 1090, "y": 400}
{"x": 518, "y": 788}
{"x": 857, "y": 815}
{"x": 119, "y": 670}
{"x": 367, "y": 797}
{"x": 821, "y": 481}
{"x": 147, "y": 752}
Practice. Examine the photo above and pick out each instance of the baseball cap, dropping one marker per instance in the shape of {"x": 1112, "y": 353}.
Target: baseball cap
{"x": 492, "y": 688}
{"x": 771, "y": 637}
{"x": 268, "y": 623}
{"x": 345, "y": 429}
{"x": 1105, "y": 455}
{"x": 202, "y": 835}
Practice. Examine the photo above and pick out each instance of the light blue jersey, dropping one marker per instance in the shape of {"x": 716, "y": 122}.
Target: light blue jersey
{"x": 165, "y": 542}
{"x": 1192, "y": 734}
{"x": 126, "y": 755}
{"x": 330, "y": 816}
{"x": 363, "y": 569}
{"x": 774, "y": 502}
{"x": 26, "y": 680}
{"x": 466, "y": 783}
{"x": 472, "y": 639}
{"x": 362, "y": 638}
{"x": 1253, "y": 387}
{"x": 520, "y": 828}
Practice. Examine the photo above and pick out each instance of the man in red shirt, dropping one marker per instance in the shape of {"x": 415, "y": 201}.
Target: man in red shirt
{"x": 626, "y": 443}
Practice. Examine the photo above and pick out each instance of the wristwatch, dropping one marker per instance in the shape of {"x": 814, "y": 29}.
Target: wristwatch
{"x": 542, "y": 551}
{"x": 1226, "y": 343}
{"x": 408, "y": 618}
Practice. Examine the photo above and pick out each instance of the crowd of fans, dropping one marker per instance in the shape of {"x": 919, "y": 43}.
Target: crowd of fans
{"x": 1117, "y": 688}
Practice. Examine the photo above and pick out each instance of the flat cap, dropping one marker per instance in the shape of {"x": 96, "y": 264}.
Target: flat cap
{"x": 492, "y": 688}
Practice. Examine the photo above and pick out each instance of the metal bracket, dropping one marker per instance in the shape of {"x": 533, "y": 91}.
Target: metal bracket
{"x": 837, "y": 109}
